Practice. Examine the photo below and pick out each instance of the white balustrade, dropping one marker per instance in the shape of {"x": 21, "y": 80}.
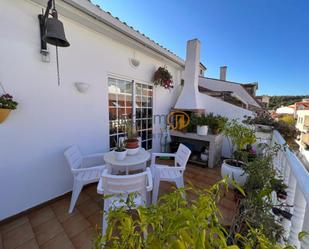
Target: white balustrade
{"x": 305, "y": 240}
{"x": 296, "y": 177}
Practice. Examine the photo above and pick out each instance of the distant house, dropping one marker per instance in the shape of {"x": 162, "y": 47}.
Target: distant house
{"x": 264, "y": 100}
{"x": 303, "y": 126}
{"x": 286, "y": 110}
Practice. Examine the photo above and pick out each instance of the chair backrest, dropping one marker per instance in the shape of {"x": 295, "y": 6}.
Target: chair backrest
{"x": 182, "y": 156}
{"x": 74, "y": 157}
{"x": 125, "y": 184}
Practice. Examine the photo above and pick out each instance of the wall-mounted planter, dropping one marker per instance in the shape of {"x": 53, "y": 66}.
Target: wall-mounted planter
{"x": 4, "y": 113}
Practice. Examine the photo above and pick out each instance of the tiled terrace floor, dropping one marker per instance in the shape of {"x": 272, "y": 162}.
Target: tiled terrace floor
{"x": 51, "y": 227}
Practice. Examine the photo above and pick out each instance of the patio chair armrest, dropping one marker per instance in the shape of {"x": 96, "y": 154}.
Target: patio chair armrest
{"x": 150, "y": 182}
{"x": 93, "y": 159}
{"x": 94, "y": 168}
{"x": 156, "y": 154}
{"x": 100, "y": 189}
{"x": 165, "y": 167}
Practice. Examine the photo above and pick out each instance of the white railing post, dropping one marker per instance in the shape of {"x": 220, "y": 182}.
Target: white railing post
{"x": 298, "y": 217}
{"x": 291, "y": 183}
{"x": 304, "y": 244}
{"x": 296, "y": 177}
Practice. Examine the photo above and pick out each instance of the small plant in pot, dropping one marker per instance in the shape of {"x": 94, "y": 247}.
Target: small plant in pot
{"x": 162, "y": 77}
{"x": 6, "y": 105}
{"x": 241, "y": 137}
{"x": 131, "y": 142}
{"x": 263, "y": 122}
{"x": 201, "y": 122}
{"x": 120, "y": 152}
{"x": 216, "y": 123}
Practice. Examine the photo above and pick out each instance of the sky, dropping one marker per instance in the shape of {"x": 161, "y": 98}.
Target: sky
{"x": 264, "y": 41}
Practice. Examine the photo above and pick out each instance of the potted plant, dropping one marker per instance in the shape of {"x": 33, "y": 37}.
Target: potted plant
{"x": 257, "y": 208}
{"x": 120, "y": 152}
{"x": 131, "y": 142}
{"x": 177, "y": 222}
{"x": 162, "y": 77}
{"x": 201, "y": 123}
{"x": 216, "y": 123}
{"x": 6, "y": 105}
{"x": 241, "y": 136}
{"x": 263, "y": 122}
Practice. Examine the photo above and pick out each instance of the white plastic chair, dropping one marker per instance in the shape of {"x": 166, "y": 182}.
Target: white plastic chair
{"x": 121, "y": 186}
{"x": 85, "y": 170}
{"x": 169, "y": 173}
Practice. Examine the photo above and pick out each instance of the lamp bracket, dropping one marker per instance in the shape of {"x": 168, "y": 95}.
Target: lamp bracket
{"x": 42, "y": 20}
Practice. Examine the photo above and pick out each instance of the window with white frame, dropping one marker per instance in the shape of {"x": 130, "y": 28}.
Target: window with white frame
{"x": 130, "y": 100}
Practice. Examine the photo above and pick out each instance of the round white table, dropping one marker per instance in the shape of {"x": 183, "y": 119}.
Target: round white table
{"x": 140, "y": 158}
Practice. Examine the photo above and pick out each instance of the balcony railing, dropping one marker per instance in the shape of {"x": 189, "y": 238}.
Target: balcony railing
{"x": 296, "y": 177}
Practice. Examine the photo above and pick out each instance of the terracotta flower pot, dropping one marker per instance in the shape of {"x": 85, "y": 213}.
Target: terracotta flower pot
{"x": 4, "y": 113}
{"x": 215, "y": 131}
{"x": 131, "y": 143}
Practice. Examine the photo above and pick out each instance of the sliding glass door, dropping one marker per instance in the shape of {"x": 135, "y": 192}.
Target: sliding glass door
{"x": 130, "y": 100}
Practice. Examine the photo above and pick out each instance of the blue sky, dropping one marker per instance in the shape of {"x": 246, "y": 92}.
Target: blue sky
{"x": 259, "y": 40}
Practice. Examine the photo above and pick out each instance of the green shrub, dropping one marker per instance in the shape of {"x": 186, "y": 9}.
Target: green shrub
{"x": 177, "y": 223}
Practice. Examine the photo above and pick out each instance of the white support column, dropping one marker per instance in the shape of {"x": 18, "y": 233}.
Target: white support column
{"x": 305, "y": 241}
{"x": 298, "y": 217}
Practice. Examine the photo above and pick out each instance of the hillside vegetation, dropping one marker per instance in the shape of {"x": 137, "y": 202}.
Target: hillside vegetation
{"x": 277, "y": 101}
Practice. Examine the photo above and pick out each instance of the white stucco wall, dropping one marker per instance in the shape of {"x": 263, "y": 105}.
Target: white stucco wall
{"x": 50, "y": 118}
{"x": 225, "y": 109}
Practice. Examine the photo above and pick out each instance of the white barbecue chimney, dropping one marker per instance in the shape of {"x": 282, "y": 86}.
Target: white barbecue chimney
{"x": 189, "y": 96}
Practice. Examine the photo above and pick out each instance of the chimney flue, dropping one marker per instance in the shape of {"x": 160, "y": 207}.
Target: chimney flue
{"x": 223, "y": 73}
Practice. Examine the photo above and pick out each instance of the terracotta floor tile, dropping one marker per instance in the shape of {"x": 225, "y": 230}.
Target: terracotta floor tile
{"x": 61, "y": 209}
{"x": 62, "y": 202}
{"x": 47, "y": 230}
{"x": 8, "y": 226}
{"x": 96, "y": 220}
{"x": 75, "y": 224}
{"x": 18, "y": 236}
{"x": 30, "y": 244}
{"x": 53, "y": 227}
{"x": 82, "y": 198}
{"x": 41, "y": 215}
{"x": 61, "y": 241}
{"x": 88, "y": 208}
{"x": 84, "y": 240}
{"x": 91, "y": 190}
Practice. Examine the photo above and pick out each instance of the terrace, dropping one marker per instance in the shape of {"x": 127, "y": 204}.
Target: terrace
{"x": 50, "y": 225}
{"x": 77, "y": 106}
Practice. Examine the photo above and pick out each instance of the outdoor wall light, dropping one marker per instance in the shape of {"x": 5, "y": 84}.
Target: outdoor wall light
{"x": 134, "y": 62}
{"x": 52, "y": 32}
{"x": 82, "y": 87}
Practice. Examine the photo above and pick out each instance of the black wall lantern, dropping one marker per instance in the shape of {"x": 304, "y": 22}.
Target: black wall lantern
{"x": 52, "y": 31}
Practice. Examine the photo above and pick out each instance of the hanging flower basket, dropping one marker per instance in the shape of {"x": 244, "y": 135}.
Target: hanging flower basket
{"x": 6, "y": 105}
{"x": 162, "y": 77}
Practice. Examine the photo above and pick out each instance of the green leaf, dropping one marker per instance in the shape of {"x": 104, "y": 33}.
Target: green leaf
{"x": 232, "y": 247}
{"x": 303, "y": 234}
